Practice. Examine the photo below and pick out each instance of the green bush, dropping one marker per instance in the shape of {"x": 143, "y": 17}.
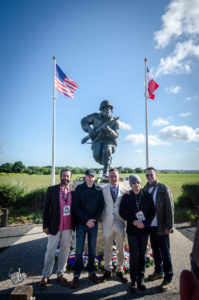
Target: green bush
{"x": 190, "y": 197}
{"x": 16, "y": 197}
{"x": 183, "y": 215}
{"x": 35, "y": 198}
{"x": 11, "y": 195}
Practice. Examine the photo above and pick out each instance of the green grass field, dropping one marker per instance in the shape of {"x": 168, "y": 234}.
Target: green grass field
{"x": 33, "y": 182}
{"x": 29, "y": 182}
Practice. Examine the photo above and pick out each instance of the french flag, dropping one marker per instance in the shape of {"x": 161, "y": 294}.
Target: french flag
{"x": 152, "y": 85}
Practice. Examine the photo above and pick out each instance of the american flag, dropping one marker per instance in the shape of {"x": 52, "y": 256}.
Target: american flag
{"x": 64, "y": 84}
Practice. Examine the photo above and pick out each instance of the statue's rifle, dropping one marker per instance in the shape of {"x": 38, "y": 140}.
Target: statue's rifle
{"x": 98, "y": 129}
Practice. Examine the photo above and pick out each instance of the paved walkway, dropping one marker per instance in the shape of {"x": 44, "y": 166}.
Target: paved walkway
{"x": 27, "y": 252}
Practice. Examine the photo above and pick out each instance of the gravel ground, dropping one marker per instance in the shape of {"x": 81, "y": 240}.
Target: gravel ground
{"x": 24, "y": 247}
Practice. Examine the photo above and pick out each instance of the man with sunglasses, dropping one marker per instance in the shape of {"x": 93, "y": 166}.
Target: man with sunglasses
{"x": 189, "y": 280}
{"x": 160, "y": 229}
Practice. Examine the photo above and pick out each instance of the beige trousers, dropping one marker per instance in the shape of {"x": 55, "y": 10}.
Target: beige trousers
{"x": 111, "y": 235}
{"x": 64, "y": 248}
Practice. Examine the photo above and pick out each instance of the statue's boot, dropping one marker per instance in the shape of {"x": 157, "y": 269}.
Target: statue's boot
{"x": 106, "y": 170}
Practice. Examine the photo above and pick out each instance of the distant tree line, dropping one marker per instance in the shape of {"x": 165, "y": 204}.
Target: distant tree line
{"x": 19, "y": 167}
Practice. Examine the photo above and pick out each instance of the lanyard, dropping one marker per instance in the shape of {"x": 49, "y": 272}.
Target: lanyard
{"x": 137, "y": 201}
{"x": 67, "y": 195}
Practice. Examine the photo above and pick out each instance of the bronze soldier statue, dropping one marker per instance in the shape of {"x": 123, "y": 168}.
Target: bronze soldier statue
{"x": 103, "y": 130}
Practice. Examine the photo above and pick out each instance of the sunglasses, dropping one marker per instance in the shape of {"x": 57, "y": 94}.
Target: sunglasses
{"x": 149, "y": 175}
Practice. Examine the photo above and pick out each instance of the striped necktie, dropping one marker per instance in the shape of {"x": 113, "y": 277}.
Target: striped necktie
{"x": 114, "y": 192}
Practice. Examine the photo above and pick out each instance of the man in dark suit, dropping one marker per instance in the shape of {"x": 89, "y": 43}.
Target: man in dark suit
{"x": 160, "y": 228}
{"x": 88, "y": 205}
{"x": 57, "y": 224}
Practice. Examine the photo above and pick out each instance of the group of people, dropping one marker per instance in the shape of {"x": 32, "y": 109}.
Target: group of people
{"x": 143, "y": 212}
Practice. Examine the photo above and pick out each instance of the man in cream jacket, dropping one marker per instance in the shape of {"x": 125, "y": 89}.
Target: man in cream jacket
{"x": 113, "y": 226}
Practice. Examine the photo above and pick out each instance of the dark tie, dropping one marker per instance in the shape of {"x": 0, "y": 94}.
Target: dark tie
{"x": 114, "y": 194}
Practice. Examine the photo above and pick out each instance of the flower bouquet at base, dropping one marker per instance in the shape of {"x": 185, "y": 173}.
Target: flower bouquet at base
{"x": 99, "y": 260}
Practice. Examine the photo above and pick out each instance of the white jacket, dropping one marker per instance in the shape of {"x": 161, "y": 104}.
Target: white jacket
{"x": 111, "y": 209}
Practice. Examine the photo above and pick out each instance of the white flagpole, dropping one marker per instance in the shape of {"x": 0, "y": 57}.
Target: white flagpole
{"x": 146, "y": 113}
{"x": 53, "y": 135}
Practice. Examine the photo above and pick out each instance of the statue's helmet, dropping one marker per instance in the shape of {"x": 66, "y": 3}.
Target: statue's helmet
{"x": 104, "y": 104}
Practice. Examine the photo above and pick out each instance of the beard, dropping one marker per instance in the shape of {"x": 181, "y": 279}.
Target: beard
{"x": 65, "y": 181}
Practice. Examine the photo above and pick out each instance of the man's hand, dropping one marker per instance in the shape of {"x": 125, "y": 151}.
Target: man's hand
{"x": 135, "y": 223}
{"x": 167, "y": 231}
{"x": 46, "y": 230}
{"x": 138, "y": 224}
{"x": 91, "y": 223}
{"x": 127, "y": 193}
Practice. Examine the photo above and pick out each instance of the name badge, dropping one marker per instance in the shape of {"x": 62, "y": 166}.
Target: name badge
{"x": 140, "y": 216}
{"x": 66, "y": 211}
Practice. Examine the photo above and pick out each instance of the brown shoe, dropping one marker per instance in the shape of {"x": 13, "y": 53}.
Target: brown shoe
{"x": 62, "y": 280}
{"x": 155, "y": 276}
{"x": 165, "y": 286}
{"x": 121, "y": 277}
{"x": 43, "y": 283}
{"x": 75, "y": 283}
{"x": 93, "y": 277}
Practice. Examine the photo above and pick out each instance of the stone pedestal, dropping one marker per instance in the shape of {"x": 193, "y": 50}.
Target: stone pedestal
{"x": 22, "y": 292}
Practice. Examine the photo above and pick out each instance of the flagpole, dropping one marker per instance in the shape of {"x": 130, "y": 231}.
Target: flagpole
{"x": 146, "y": 114}
{"x": 53, "y": 133}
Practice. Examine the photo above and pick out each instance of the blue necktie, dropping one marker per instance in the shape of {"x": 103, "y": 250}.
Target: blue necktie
{"x": 114, "y": 193}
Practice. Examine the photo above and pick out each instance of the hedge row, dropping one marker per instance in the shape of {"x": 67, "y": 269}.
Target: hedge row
{"x": 16, "y": 196}
{"x": 190, "y": 197}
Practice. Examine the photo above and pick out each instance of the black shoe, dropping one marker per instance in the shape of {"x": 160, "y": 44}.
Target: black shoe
{"x": 141, "y": 286}
{"x": 121, "y": 277}
{"x": 132, "y": 287}
{"x": 106, "y": 276}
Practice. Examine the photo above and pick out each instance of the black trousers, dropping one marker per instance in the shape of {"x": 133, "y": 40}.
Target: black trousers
{"x": 137, "y": 249}
{"x": 160, "y": 245}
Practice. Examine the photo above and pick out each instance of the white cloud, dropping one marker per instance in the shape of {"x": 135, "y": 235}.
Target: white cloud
{"x": 160, "y": 122}
{"x": 138, "y": 151}
{"x": 135, "y": 139}
{"x": 179, "y": 22}
{"x": 124, "y": 125}
{"x": 180, "y": 18}
{"x": 188, "y": 99}
{"x": 175, "y": 63}
{"x": 173, "y": 90}
{"x": 156, "y": 141}
{"x": 184, "y": 115}
{"x": 179, "y": 133}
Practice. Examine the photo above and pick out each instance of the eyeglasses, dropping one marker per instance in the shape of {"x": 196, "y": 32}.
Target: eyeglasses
{"x": 149, "y": 175}
{"x": 194, "y": 268}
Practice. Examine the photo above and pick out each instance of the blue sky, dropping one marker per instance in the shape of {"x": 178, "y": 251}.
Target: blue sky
{"x": 100, "y": 44}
